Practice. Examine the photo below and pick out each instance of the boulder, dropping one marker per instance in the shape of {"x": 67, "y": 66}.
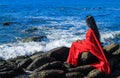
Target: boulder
{"x": 9, "y": 71}
{"x": 39, "y": 62}
{"x": 36, "y": 55}
{"x": 86, "y": 58}
{"x": 95, "y": 73}
{"x": 111, "y": 48}
{"x": 117, "y": 52}
{"x": 7, "y": 23}
{"x": 115, "y": 73}
{"x": 83, "y": 69}
{"x": 48, "y": 74}
{"x": 16, "y": 60}
{"x": 113, "y": 62}
{"x": 60, "y": 53}
{"x": 31, "y": 29}
{"x": 74, "y": 75}
{"x": 67, "y": 65}
{"x": 34, "y": 38}
{"x": 52, "y": 65}
{"x": 25, "y": 63}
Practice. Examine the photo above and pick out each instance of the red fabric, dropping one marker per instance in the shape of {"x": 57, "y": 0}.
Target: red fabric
{"x": 92, "y": 45}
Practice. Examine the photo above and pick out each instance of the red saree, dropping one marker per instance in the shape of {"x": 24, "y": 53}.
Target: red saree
{"x": 90, "y": 44}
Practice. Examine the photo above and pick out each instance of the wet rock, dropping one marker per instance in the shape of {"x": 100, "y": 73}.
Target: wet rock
{"x": 74, "y": 75}
{"x": 31, "y": 29}
{"x": 16, "y": 60}
{"x": 48, "y": 74}
{"x": 86, "y": 58}
{"x": 83, "y": 69}
{"x": 111, "y": 48}
{"x": 95, "y": 74}
{"x": 39, "y": 62}
{"x": 36, "y": 55}
{"x": 9, "y": 71}
{"x": 25, "y": 63}
{"x": 60, "y": 53}
{"x": 52, "y": 65}
{"x": 35, "y": 38}
{"x": 7, "y": 23}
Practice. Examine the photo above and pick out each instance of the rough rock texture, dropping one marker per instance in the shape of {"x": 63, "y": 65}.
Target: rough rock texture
{"x": 35, "y": 38}
{"x": 39, "y": 62}
{"x": 48, "y": 74}
{"x": 52, "y": 64}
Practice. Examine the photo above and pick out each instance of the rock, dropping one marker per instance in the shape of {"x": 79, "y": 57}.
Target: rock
{"x": 7, "y": 23}
{"x": 31, "y": 29}
{"x": 52, "y": 65}
{"x": 117, "y": 52}
{"x": 16, "y": 60}
{"x": 48, "y": 74}
{"x": 113, "y": 62}
{"x": 36, "y": 55}
{"x": 95, "y": 73}
{"x": 39, "y": 62}
{"x": 111, "y": 48}
{"x": 118, "y": 76}
{"x": 67, "y": 65}
{"x": 115, "y": 73}
{"x": 35, "y": 38}
{"x": 86, "y": 58}
{"x": 74, "y": 75}
{"x": 83, "y": 69}
{"x": 9, "y": 71}
{"x": 60, "y": 53}
{"x": 25, "y": 63}
{"x": 117, "y": 66}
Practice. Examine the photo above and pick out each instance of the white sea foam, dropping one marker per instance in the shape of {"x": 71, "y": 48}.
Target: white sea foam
{"x": 56, "y": 34}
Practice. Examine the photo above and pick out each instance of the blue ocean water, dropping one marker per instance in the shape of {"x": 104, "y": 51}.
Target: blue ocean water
{"x": 61, "y": 21}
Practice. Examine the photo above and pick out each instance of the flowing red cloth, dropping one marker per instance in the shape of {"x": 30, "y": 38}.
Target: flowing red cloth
{"x": 92, "y": 45}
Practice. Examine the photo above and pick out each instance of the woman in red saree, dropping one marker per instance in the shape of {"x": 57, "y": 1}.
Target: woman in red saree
{"x": 90, "y": 44}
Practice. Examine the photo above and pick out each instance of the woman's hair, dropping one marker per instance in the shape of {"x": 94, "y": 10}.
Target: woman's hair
{"x": 92, "y": 24}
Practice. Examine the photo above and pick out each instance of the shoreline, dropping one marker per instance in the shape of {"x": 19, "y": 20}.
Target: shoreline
{"x": 51, "y": 64}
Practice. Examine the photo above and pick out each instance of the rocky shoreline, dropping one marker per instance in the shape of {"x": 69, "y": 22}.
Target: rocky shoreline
{"x": 52, "y": 64}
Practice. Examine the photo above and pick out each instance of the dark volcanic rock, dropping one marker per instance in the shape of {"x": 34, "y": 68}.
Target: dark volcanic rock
{"x": 9, "y": 71}
{"x": 86, "y": 58}
{"x": 84, "y": 69}
{"x": 111, "y": 48}
{"x": 16, "y": 60}
{"x": 113, "y": 62}
{"x": 67, "y": 65}
{"x": 95, "y": 74}
{"x": 115, "y": 73}
{"x": 60, "y": 53}
{"x": 31, "y": 29}
{"x": 35, "y": 38}
{"x": 36, "y": 55}
{"x": 52, "y": 65}
{"x": 117, "y": 52}
{"x": 7, "y": 23}
{"x": 48, "y": 74}
{"x": 39, "y": 62}
{"x": 74, "y": 75}
{"x": 25, "y": 63}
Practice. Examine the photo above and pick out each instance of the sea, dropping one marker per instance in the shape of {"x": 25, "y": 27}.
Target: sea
{"x": 60, "y": 22}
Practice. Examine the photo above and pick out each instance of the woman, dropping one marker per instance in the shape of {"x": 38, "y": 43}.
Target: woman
{"x": 90, "y": 44}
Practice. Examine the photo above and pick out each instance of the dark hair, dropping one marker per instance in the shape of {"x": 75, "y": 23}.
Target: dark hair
{"x": 92, "y": 24}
